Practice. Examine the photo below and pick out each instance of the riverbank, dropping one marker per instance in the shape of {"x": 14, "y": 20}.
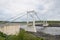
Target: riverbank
{"x": 51, "y": 23}
{"x": 46, "y": 36}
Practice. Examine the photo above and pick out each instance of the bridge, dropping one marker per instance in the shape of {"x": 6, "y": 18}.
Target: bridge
{"x": 33, "y": 24}
{"x": 39, "y": 24}
{"x": 30, "y": 26}
{"x": 33, "y": 14}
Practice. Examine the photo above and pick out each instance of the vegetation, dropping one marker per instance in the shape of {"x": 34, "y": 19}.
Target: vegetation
{"x": 22, "y": 35}
{"x": 2, "y": 36}
{"x": 24, "y": 22}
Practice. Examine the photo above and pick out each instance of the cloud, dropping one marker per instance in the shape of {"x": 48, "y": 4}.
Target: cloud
{"x": 48, "y": 8}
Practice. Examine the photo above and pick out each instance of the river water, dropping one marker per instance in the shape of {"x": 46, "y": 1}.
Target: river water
{"x": 47, "y": 30}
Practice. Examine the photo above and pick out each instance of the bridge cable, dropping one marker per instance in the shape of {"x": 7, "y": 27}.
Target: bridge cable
{"x": 14, "y": 16}
{"x": 14, "y": 19}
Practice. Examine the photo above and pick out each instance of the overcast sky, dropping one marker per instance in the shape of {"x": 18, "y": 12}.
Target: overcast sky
{"x": 46, "y": 9}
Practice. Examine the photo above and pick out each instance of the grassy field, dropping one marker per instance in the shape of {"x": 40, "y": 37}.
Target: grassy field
{"x": 22, "y": 35}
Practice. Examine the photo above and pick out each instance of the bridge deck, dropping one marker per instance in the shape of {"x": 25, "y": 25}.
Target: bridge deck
{"x": 41, "y": 25}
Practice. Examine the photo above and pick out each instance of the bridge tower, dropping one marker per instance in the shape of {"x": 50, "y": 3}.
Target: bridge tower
{"x": 32, "y": 27}
{"x": 45, "y": 23}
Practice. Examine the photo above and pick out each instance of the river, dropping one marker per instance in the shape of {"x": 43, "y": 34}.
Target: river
{"x": 47, "y": 30}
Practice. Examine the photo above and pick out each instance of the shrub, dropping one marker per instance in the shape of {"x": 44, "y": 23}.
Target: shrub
{"x": 2, "y": 38}
{"x": 11, "y": 37}
{"x": 2, "y": 34}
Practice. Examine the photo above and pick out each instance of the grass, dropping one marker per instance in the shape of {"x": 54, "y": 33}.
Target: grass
{"x": 22, "y": 35}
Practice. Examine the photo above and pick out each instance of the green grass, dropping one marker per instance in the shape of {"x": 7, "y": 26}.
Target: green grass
{"x": 22, "y": 35}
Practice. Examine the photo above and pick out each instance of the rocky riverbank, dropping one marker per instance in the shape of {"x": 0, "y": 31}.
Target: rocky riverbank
{"x": 46, "y": 36}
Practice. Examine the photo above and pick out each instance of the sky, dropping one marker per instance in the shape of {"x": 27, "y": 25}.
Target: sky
{"x": 46, "y": 9}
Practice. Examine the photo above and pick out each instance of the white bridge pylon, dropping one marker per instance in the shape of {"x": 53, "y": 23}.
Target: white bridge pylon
{"x": 32, "y": 27}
